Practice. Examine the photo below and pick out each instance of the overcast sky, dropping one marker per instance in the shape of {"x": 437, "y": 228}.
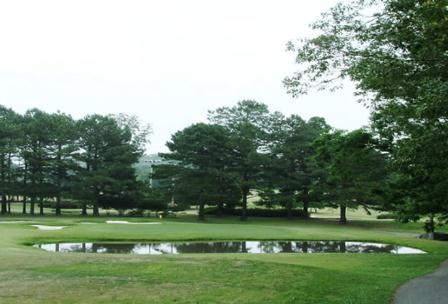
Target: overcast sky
{"x": 167, "y": 61}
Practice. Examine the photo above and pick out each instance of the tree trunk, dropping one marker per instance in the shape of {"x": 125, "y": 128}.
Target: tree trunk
{"x": 9, "y": 181}
{"x": 201, "y": 213}
{"x": 84, "y": 209}
{"x": 306, "y": 206}
{"x": 96, "y": 210}
{"x": 58, "y": 182}
{"x": 24, "y": 187}
{"x": 289, "y": 209}
{"x": 220, "y": 210}
{"x": 97, "y": 192}
{"x": 2, "y": 175}
{"x": 58, "y": 205}
{"x": 430, "y": 227}
{"x": 41, "y": 206}
{"x": 245, "y": 192}
{"x": 24, "y": 205}
{"x": 4, "y": 205}
{"x": 33, "y": 203}
{"x": 343, "y": 215}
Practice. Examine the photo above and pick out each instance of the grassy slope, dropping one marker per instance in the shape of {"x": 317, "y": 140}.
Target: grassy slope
{"x": 29, "y": 275}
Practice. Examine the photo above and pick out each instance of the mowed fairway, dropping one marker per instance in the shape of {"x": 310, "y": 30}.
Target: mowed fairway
{"x": 31, "y": 275}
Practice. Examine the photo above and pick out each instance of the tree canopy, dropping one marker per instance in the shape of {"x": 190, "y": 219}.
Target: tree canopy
{"x": 248, "y": 128}
{"x": 202, "y": 153}
{"x": 396, "y": 52}
{"x": 45, "y": 158}
{"x": 355, "y": 171}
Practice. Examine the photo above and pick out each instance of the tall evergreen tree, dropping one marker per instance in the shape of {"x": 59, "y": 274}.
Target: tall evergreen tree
{"x": 107, "y": 177}
{"x": 248, "y": 127}
{"x": 292, "y": 172}
{"x": 64, "y": 144}
{"x": 9, "y": 133}
{"x": 202, "y": 153}
{"x": 36, "y": 154}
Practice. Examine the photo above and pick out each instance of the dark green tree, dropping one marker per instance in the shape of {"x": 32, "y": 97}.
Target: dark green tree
{"x": 397, "y": 57}
{"x": 36, "y": 151}
{"x": 248, "y": 126}
{"x": 64, "y": 145}
{"x": 356, "y": 172}
{"x": 9, "y": 135}
{"x": 292, "y": 172}
{"x": 106, "y": 175}
{"x": 202, "y": 153}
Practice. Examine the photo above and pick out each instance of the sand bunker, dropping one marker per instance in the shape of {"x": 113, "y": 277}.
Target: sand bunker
{"x": 13, "y": 222}
{"x": 129, "y": 223}
{"x": 43, "y": 227}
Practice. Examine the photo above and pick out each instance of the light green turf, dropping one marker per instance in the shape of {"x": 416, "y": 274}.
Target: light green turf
{"x": 30, "y": 275}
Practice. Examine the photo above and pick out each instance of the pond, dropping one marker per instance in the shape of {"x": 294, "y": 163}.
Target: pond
{"x": 253, "y": 247}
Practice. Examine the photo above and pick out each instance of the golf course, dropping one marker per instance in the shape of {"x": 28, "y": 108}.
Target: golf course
{"x": 32, "y": 275}
{"x": 224, "y": 152}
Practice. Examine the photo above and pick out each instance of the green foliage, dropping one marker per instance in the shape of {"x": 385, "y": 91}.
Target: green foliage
{"x": 248, "y": 125}
{"x": 107, "y": 177}
{"x": 396, "y": 53}
{"x": 9, "y": 141}
{"x": 261, "y": 212}
{"x": 387, "y": 216}
{"x": 355, "y": 170}
{"x": 63, "y": 146}
{"x": 202, "y": 153}
{"x": 36, "y": 152}
{"x": 292, "y": 172}
{"x": 47, "y": 157}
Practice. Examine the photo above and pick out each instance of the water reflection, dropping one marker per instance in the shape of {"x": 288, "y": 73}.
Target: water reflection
{"x": 230, "y": 247}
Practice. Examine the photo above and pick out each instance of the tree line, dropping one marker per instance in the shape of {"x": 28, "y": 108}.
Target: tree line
{"x": 287, "y": 162}
{"x": 395, "y": 51}
{"x": 54, "y": 160}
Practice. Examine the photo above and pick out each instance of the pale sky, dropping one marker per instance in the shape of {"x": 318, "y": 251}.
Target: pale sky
{"x": 167, "y": 61}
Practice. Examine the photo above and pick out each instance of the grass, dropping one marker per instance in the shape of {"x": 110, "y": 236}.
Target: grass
{"x": 30, "y": 275}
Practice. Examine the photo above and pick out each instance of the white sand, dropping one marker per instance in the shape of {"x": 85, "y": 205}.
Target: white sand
{"x": 14, "y": 222}
{"x": 126, "y": 222}
{"x": 117, "y": 222}
{"x": 43, "y": 227}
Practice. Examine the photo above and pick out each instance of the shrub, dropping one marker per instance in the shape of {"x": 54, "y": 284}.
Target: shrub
{"x": 64, "y": 204}
{"x": 257, "y": 212}
{"x": 387, "y": 216}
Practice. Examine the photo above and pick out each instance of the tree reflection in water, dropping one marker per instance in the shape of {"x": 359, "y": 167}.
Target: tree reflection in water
{"x": 229, "y": 247}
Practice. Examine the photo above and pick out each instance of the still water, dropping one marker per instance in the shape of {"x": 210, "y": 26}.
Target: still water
{"x": 253, "y": 247}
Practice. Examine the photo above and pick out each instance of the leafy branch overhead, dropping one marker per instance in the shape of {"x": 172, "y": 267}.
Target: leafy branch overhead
{"x": 396, "y": 53}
